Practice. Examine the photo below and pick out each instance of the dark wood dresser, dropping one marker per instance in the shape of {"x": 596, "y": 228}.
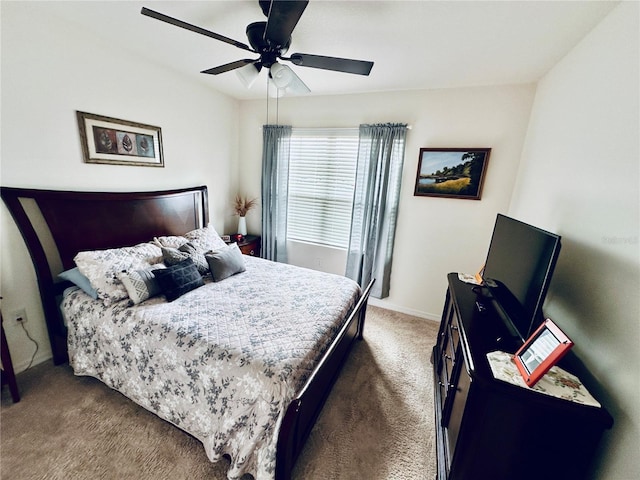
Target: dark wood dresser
{"x": 488, "y": 428}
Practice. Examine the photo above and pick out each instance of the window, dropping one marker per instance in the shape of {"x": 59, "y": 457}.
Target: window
{"x": 322, "y": 169}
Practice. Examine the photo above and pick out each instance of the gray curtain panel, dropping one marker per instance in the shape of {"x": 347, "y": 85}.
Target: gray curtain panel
{"x": 276, "y": 140}
{"x": 375, "y": 205}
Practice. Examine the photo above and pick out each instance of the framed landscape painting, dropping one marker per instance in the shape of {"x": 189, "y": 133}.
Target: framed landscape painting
{"x": 119, "y": 142}
{"x": 451, "y": 172}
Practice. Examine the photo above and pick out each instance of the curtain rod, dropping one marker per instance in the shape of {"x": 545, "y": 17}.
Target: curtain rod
{"x": 409, "y": 127}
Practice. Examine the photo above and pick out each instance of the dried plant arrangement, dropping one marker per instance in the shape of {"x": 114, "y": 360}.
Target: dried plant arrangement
{"x": 242, "y": 205}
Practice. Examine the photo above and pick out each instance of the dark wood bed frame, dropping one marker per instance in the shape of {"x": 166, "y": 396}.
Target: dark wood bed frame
{"x": 56, "y": 225}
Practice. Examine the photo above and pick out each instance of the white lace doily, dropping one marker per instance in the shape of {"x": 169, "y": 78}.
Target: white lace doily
{"x": 556, "y": 382}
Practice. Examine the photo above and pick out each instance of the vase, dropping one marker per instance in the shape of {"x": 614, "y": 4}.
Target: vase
{"x": 242, "y": 225}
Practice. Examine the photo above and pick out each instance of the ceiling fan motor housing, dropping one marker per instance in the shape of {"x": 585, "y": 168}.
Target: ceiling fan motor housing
{"x": 268, "y": 53}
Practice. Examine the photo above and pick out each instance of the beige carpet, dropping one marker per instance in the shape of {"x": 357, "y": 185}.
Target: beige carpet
{"x": 376, "y": 424}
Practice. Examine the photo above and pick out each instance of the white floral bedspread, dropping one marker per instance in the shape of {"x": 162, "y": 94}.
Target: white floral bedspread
{"x": 223, "y": 361}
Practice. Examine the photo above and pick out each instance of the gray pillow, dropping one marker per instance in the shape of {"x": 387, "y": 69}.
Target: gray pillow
{"x": 225, "y": 262}
{"x": 173, "y": 256}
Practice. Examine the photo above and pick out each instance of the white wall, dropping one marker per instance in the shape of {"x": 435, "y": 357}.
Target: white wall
{"x": 50, "y": 70}
{"x": 580, "y": 178}
{"x": 434, "y": 236}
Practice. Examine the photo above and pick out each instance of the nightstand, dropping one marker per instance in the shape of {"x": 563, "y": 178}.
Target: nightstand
{"x": 250, "y": 245}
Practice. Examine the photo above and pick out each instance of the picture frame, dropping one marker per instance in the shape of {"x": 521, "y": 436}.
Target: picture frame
{"x": 451, "y": 172}
{"x": 113, "y": 141}
{"x": 541, "y": 351}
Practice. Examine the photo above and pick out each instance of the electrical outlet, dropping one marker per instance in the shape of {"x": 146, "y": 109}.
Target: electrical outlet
{"x": 19, "y": 316}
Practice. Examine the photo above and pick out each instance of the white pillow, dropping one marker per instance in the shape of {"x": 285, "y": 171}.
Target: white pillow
{"x": 170, "y": 241}
{"x": 141, "y": 284}
{"x": 102, "y": 266}
{"x": 203, "y": 239}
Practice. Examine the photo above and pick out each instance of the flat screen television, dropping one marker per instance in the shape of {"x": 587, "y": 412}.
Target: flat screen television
{"x": 518, "y": 270}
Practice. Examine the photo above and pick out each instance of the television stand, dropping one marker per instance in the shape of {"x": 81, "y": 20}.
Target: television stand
{"x": 487, "y": 302}
{"x": 492, "y": 428}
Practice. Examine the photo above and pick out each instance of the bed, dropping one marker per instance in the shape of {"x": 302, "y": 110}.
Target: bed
{"x": 229, "y": 334}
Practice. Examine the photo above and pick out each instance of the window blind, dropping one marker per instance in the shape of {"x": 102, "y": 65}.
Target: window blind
{"x": 322, "y": 169}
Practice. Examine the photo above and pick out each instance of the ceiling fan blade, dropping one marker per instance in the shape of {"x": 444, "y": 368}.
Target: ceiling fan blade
{"x": 229, "y": 66}
{"x": 193, "y": 28}
{"x": 359, "y": 67}
{"x": 283, "y": 18}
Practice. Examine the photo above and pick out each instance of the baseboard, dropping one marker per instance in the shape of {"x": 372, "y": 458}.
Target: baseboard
{"x": 40, "y": 357}
{"x": 397, "y": 308}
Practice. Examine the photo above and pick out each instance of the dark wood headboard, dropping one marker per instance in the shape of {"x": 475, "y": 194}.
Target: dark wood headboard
{"x": 56, "y": 225}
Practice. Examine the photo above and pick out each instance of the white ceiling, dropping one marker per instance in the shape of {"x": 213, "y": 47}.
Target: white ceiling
{"x": 414, "y": 44}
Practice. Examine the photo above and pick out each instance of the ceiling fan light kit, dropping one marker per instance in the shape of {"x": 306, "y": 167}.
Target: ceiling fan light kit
{"x": 286, "y": 81}
{"x": 281, "y": 76}
{"x": 271, "y": 40}
{"x": 249, "y": 74}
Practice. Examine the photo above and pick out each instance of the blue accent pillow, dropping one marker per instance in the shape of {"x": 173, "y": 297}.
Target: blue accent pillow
{"x": 74, "y": 276}
{"x": 178, "y": 279}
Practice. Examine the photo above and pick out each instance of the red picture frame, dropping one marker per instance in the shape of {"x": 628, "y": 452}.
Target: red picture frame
{"x": 541, "y": 351}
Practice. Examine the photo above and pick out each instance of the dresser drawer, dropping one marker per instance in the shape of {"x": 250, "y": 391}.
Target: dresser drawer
{"x": 250, "y": 245}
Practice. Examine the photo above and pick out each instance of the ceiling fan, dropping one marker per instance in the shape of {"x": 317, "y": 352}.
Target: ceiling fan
{"x": 271, "y": 40}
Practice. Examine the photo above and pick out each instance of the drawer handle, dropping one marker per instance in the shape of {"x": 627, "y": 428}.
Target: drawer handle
{"x": 446, "y": 386}
{"x": 453, "y": 327}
